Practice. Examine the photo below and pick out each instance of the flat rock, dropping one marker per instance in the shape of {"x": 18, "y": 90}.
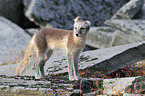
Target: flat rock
{"x": 134, "y": 28}
{"x": 100, "y": 37}
{"x": 60, "y": 14}
{"x": 122, "y": 38}
{"x": 51, "y": 86}
{"x": 60, "y": 85}
{"x": 13, "y": 41}
{"x": 129, "y": 10}
{"x": 137, "y": 86}
{"x": 116, "y": 86}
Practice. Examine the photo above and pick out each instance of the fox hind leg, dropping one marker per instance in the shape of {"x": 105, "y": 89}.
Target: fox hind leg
{"x": 75, "y": 66}
{"x": 40, "y": 62}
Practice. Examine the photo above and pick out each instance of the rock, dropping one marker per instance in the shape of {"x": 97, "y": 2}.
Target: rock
{"x": 89, "y": 48}
{"x": 116, "y": 86}
{"x": 59, "y": 85}
{"x": 11, "y": 9}
{"x": 140, "y": 64}
{"x": 32, "y": 31}
{"x": 8, "y": 70}
{"x": 120, "y": 32}
{"x": 141, "y": 13}
{"x": 13, "y": 41}
{"x": 137, "y": 86}
{"x": 52, "y": 86}
{"x": 132, "y": 28}
{"x": 120, "y": 38}
{"x": 126, "y": 94}
{"x": 129, "y": 10}
{"x": 61, "y": 14}
{"x": 100, "y": 37}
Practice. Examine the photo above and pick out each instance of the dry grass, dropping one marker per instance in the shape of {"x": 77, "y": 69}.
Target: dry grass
{"x": 17, "y": 57}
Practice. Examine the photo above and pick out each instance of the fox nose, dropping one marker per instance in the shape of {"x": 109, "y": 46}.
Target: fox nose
{"x": 77, "y": 34}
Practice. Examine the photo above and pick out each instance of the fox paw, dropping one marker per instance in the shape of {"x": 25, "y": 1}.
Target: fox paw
{"x": 38, "y": 77}
{"x": 73, "y": 78}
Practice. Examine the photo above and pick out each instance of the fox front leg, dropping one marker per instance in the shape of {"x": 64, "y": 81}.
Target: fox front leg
{"x": 76, "y": 66}
{"x": 70, "y": 66}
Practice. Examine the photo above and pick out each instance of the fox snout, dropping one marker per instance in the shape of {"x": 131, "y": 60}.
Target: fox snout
{"x": 81, "y": 33}
{"x": 77, "y": 34}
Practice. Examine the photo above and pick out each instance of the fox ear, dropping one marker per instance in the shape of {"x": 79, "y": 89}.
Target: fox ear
{"x": 77, "y": 19}
{"x": 89, "y": 23}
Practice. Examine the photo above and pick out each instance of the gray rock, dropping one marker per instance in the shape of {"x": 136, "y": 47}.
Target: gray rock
{"x": 116, "y": 86}
{"x": 11, "y": 9}
{"x": 134, "y": 28}
{"x": 61, "y": 14}
{"x": 122, "y": 38}
{"x": 103, "y": 37}
{"x": 61, "y": 86}
{"x": 51, "y": 86}
{"x": 129, "y": 10}
{"x": 137, "y": 86}
{"x": 141, "y": 13}
{"x": 13, "y": 41}
{"x": 32, "y": 31}
{"x": 100, "y": 37}
{"x": 126, "y": 94}
{"x": 8, "y": 70}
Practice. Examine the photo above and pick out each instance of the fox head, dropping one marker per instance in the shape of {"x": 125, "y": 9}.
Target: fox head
{"x": 81, "y": 27}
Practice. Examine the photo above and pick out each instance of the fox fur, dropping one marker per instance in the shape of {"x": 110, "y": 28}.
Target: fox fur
{"x": 45, "y": 41}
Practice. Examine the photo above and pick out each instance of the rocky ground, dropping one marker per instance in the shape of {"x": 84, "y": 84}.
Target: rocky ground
{"x": 115, "y": 66}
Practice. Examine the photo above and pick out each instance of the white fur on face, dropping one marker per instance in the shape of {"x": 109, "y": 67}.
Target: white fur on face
{"x": 80, "y": 28}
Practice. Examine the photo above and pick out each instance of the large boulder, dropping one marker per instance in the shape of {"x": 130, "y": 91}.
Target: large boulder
{"x": 120, "y": 32}
{"x": 13, "y": 40}
{"x": 11, "y": 9}
{"x": 134, "y": 29}
{"x": 100, "y": 37}
{"x": 121, "y": 38}
{"x": 129, "y": 10}
{"x": 60, "y": 14}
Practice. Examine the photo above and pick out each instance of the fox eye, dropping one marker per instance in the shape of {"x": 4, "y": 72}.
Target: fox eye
{"x": 82, "y": 28}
